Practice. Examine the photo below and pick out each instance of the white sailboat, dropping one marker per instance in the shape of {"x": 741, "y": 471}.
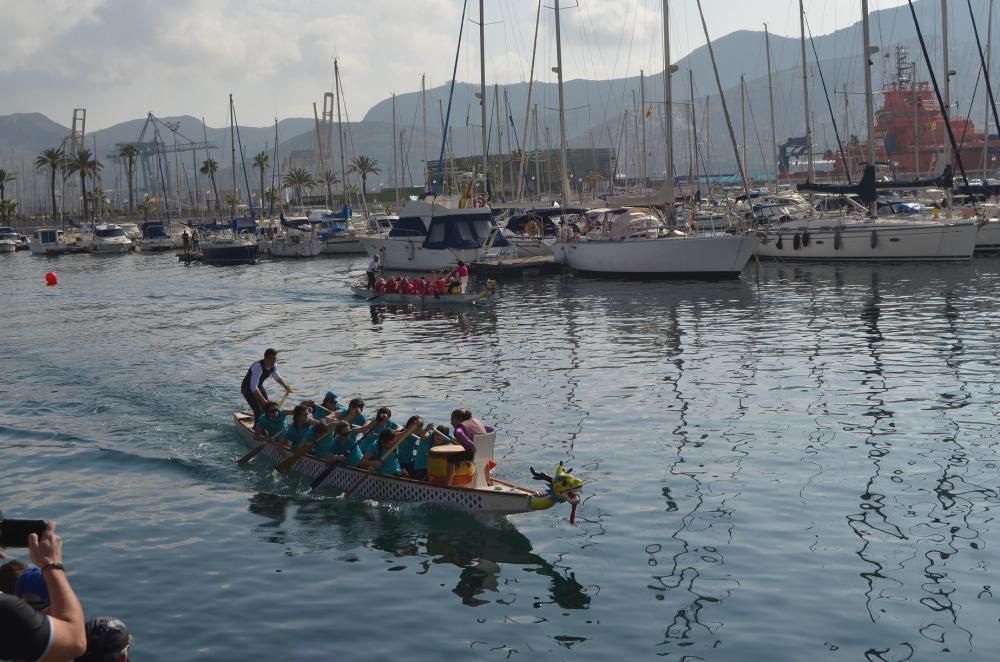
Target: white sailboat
{"x": 431, "y": 237}
{"x": 868, "y": 239}
{"x": 653, "y": 251}
{"x": 8, "y": 240}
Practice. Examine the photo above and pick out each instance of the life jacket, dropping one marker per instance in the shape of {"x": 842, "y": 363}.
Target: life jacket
{"x": 264, "y": 374}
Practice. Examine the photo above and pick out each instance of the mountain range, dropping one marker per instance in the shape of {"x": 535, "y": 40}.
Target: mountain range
{"x": 605, "y": 113}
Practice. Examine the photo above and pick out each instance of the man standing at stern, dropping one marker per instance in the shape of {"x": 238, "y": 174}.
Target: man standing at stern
{"x": 253, "y": 384}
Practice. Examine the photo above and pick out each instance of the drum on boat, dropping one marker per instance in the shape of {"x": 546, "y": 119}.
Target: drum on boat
{"x": 438, "y": 458}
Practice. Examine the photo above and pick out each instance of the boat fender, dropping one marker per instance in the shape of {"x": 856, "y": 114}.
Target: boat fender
{"x": 836, "y": 240}
{"x": 562, "y": 488}
{"x": 779, "y": 244}
{"x": 413, "y": 251}
{"x": 874, "y": 241}
{"x": 805, "y": 238}
{"x": 796, "y": 241}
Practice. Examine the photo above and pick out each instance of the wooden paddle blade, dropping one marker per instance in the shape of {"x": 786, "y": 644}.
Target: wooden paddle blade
{"x": 289, "y": 462}
{"x": 252, "y": 454}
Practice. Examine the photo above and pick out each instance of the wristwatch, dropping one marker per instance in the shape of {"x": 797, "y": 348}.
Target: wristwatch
{"x": 53, "y": 566}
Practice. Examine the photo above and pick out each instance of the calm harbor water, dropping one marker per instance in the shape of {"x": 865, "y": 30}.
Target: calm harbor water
{"x": 799, "y": 465}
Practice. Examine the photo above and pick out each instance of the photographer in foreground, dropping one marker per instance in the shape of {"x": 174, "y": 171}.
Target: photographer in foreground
{"x": 26, "y": 634}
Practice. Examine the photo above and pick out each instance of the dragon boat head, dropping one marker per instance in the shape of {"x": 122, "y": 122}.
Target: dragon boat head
{"x": 563, "y": 488}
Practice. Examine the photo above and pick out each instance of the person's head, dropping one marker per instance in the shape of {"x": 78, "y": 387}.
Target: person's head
{"x": 329, "y": 400}
{"x": 376, "y": 258}
{"x": 460, "y": 415}
{"x": 342, "y": 428}
{"x": 270, "y": 356}
{"x": 300, "y": 415}
{"x": 9, "y": 572}
{"x": 383, "y": 414}
{"x": 412, "y": 420}
{"x": 108, "y": 640}
{"x": 271, "y": 409}
{"x": 31, "y": 588}
{"x": 386, "y": 437}
{"x": 461, "y": 264}
{"x": 357, "y": 404}
{"x": 444, "y": 429}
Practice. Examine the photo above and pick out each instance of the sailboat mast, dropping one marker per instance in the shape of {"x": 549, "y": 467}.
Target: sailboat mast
{"x": 395, "y": 173}
{"x": 482, "y": 92}
{"x": 694, "y": 141}
{"x": 232, "y": 140}
{"x": 527, "y": 110}
{"x": 947, "y": 78}
{"x": 340, "y": 130}
{"x": 725, "y": 106}
{"x": 643, "y": 163}
{"x": 770, "y": 101}
{"x": 869, "y": 104}
{"x": 423, "y": 104}
{"x": 805, "y": 91}
{"x": 987, "y": 105}
{"x": 564, "y": 183}
{"x": 668, "y": 121}
{"x": 322, "y": 158}
{"x": 743, "y": 115}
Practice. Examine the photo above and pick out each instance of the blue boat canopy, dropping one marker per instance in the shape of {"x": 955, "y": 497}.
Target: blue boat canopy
{"x": 465, "y": 231}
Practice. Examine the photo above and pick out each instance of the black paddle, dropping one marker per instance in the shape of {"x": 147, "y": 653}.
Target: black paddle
{"x": 256, "y": 451}
{"x": 336, "y": 463}
{"x": 403, "y": 436}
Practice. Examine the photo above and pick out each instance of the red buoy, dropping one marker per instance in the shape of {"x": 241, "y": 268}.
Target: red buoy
{"x": 51, "y": 279}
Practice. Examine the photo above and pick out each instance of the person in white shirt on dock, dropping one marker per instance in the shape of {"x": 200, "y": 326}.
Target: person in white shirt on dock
{"x": 374, "y": 267}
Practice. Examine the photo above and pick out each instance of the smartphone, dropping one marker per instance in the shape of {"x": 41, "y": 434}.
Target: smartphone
{"x": 15, "y": 532}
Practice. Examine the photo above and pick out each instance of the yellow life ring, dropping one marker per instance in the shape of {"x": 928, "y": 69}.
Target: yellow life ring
{"x": 532, "y": 229}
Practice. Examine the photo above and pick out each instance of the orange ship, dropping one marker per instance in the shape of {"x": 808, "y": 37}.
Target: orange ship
{"x": 910, "y": 136}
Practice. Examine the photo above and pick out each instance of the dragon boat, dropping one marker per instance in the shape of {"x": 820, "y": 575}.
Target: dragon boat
{"x": 468, "y": 299}
{"x": 485, "y": 494}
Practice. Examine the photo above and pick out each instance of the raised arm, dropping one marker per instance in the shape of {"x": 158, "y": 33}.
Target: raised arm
{"x": 69, "y": 639}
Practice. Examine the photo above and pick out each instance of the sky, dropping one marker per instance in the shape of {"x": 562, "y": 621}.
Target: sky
{"x": 120, "y": 59}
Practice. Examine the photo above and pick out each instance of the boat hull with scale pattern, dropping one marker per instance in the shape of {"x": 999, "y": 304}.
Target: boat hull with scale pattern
{"x": 469, "y": 299}
{"x": 500, "y": 498}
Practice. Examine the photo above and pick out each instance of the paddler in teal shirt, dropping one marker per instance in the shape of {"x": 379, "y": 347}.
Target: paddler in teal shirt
{"x": 270, "y": 424}
{"x": 329, "y": 407}
{"x": 302, "y": 430}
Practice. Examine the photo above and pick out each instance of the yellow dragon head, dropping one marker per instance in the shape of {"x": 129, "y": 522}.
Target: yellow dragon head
{"x": 563, "y": 487}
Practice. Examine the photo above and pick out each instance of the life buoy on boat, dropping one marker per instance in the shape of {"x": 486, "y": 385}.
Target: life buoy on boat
{"x": 779, "y": 244}
{"x": 805, "y": 237}
{"x": 836, "y": 240}
{"x": 796, "y": 241}
{"x": 874, "y": 241}
{"x": 532, "y": 229}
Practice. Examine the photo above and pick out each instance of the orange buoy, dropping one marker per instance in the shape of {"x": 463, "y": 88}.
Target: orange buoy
{"x": 51, "y": 279}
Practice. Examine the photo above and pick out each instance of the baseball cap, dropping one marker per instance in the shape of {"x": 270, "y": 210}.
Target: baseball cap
{"x": 107, "y": 637}
{"x": 32, "y": 589}
{"x": 330, "y": 395}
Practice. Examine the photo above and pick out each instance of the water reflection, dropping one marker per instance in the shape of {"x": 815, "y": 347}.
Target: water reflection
{"x": 443, "y": 537}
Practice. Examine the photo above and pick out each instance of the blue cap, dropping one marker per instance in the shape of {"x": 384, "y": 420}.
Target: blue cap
{"x": 330, "y": 395}
{"x": 32, "y": 589}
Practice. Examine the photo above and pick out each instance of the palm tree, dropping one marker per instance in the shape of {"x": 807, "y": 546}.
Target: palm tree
{"x": 364, "y": 166}
{"x": 5, "y": 178}
{"x": 99, "y": 199}
{"x": 129, "y": 152}
{"x": 233, "y": 200}
{"x": 261, "y": 162}
{"x": 210, "y": 167}
{"x": 53, "y": 159}
{"x": 85, "y": 164}
{"x": 8, "y": 209}
{"x": 298, "y": 179}
{"x": 329, "y": 179}
{"x": 148, "y": 207}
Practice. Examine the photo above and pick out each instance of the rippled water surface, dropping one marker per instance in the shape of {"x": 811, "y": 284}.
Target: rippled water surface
{"x": 800, "y": 465}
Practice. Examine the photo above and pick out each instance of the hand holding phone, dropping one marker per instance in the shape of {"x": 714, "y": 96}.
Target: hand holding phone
{"x": 15, "y": 532}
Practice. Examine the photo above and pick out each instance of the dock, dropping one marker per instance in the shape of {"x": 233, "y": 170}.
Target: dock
{"x": 518, "y": 267}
